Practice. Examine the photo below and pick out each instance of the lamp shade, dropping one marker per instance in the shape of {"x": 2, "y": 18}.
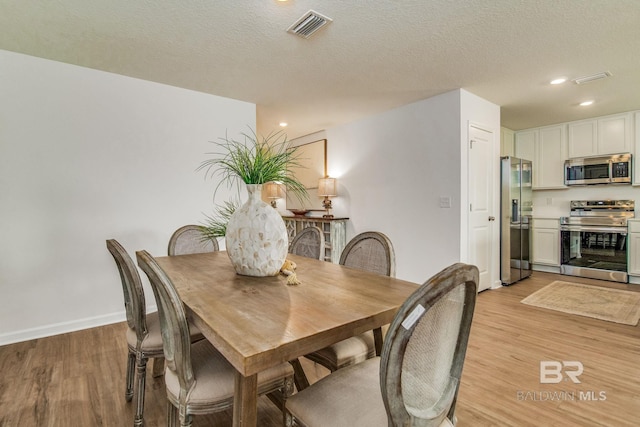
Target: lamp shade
{"x": 273, "y": 190}
{"x": 327, "y": 187}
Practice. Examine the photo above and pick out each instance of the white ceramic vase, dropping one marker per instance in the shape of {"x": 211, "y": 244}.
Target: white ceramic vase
{"x": 256, "y": 237}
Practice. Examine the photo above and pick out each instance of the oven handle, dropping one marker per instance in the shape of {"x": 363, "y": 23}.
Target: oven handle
{"x": 616, "y": 230}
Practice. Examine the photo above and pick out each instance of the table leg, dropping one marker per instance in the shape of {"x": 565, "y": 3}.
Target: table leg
{"x": 245, "y": 401}
{"x": 377, "y": 339}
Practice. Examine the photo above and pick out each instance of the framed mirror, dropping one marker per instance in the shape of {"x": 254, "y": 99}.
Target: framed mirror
{"x": 313, "y": 166}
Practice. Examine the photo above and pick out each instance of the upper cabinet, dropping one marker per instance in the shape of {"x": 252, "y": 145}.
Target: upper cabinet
{"x": 546, "y": 147}
{"x": 551, "y": 154}
{"x": 604, "y": 135}
{"x": 506, "y": 142}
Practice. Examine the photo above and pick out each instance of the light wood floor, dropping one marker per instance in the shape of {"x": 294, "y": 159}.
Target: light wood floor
{"x": 77, "y": 379}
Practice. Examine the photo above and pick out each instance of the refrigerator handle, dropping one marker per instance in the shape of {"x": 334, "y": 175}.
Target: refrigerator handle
{"x": 514, "y": 210}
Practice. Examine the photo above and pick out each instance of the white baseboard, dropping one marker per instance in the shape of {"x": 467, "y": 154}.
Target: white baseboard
{"x": 61, "y": 328}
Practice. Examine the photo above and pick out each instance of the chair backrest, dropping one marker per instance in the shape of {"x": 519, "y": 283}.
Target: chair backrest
{"x": 308, "y": 243}
{"x": 370, "y": 251}
{"x": 134, "y": 302}
{"x": 189, "y": 239}
{"x": 425, "y": 347}
{"x": 176, "y": 341}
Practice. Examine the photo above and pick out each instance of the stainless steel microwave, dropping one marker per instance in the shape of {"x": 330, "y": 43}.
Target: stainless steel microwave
{"x": 613, "y": 169}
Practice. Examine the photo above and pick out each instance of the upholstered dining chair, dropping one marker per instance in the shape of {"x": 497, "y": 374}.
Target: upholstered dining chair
{"x": 308, "y": 243}
{"x": 198, "y": 378}
{"x": 143, "y": 335}
{"x": 188, "y": 239}
{"x": 416, "y": 380}
{"x": 370, "y": 251}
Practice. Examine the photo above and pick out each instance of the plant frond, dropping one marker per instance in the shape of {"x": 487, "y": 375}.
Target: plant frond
{"x": 255, "y": 161}
{"x": 216, "y": 225}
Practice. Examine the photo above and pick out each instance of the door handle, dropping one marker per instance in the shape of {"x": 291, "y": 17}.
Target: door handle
{"x": 492, "y": 218}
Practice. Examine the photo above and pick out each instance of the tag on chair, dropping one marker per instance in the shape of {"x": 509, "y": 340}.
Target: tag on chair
{"x": 413, "y": 317}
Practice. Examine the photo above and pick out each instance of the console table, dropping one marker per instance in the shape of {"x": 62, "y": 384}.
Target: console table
{"x": 335, "y": 233}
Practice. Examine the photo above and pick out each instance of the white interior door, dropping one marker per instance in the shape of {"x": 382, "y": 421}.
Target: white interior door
{"x": 481, "y": 216}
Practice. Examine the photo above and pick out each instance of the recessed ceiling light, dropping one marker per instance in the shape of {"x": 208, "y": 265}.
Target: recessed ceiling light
{"x": 558, "y": 81}
{"x": 586, "y": 103}
{"x": 283, "y": 124}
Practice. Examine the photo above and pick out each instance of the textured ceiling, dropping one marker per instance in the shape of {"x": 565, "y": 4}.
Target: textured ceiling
{"x": 374, "y": 56}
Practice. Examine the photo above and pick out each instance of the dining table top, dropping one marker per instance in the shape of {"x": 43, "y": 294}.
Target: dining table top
{"x": 258, "y": 322}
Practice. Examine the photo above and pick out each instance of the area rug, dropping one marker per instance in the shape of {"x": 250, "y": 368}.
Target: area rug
{"x": 613, "y": 305}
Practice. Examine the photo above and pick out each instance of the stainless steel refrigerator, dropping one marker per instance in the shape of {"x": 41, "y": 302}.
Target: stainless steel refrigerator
{"x": 515, "y": 219}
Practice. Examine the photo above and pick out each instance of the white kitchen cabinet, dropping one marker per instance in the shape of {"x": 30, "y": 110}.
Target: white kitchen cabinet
{"x": 582, "y": 138}
{"x": 633, "y": 246}
{"x": 507, "y": 139}
{"x": 546, "y": 241}
{"x": 546, "y": 147}
{"x": 604, "y": 135}
{"x": 525, "y": 142}
{"x": 551, "y": 152}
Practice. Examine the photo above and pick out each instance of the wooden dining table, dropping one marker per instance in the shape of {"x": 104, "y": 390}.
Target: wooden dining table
{"x": 260, "y": 322}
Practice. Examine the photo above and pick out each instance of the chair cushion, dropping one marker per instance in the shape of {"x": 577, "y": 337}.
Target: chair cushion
{"x": 350, "y": 397}
{"x": 215, "y": 378}
{"x": 152, "y": 343}
{"x": 346, "y": 352}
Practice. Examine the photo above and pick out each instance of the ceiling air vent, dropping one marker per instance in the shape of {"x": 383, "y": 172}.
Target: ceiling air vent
{"x": 587, "y": 79}
{"x": 308, "y": 24}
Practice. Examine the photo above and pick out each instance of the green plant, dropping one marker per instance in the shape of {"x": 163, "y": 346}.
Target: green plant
{"x": 255, "y": 161}
{"x": 216, "y": 225}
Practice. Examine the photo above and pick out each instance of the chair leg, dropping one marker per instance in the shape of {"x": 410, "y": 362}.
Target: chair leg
{"x": 186, "y": 421}
{"x": 158, "y": 367}
{"x": 286, "y": 393}
{"x": 172, "y": 415}
{"x": 288, "y": 419}
{"x": 299, "y": 376}
{"x": 131, "y": 369}
{"x": 141, "y": 373}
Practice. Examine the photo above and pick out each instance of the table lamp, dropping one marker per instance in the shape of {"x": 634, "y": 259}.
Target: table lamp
{"x": 327, "y": 188}
{"x": 273, "y": 193}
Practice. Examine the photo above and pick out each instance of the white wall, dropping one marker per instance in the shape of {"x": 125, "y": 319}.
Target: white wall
{"x": 86, "y": 156}
{"x": 392, "y": 169}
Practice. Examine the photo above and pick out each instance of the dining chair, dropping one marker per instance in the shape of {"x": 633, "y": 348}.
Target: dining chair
{"x": 198, "y": 379}
{"x": 416, "y": 380}
{"x": 308, "y": 243}
{"x": 188, "y": 239}
{"x": 143, "y": 335}
{"x": 369, "y": 251}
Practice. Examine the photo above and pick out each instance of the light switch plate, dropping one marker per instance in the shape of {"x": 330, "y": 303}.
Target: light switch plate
{"x": 445, "y": 202}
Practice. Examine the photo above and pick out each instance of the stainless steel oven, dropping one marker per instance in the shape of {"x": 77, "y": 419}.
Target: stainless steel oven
{"x": 593, "y": 239}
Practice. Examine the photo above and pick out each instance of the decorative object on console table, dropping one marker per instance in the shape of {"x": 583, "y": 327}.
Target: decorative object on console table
{"x": 327, "y": 189}
{"x": 256, "y": 236}
{"x": 334, "y": 229}
{"x": 274, "y": 193}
